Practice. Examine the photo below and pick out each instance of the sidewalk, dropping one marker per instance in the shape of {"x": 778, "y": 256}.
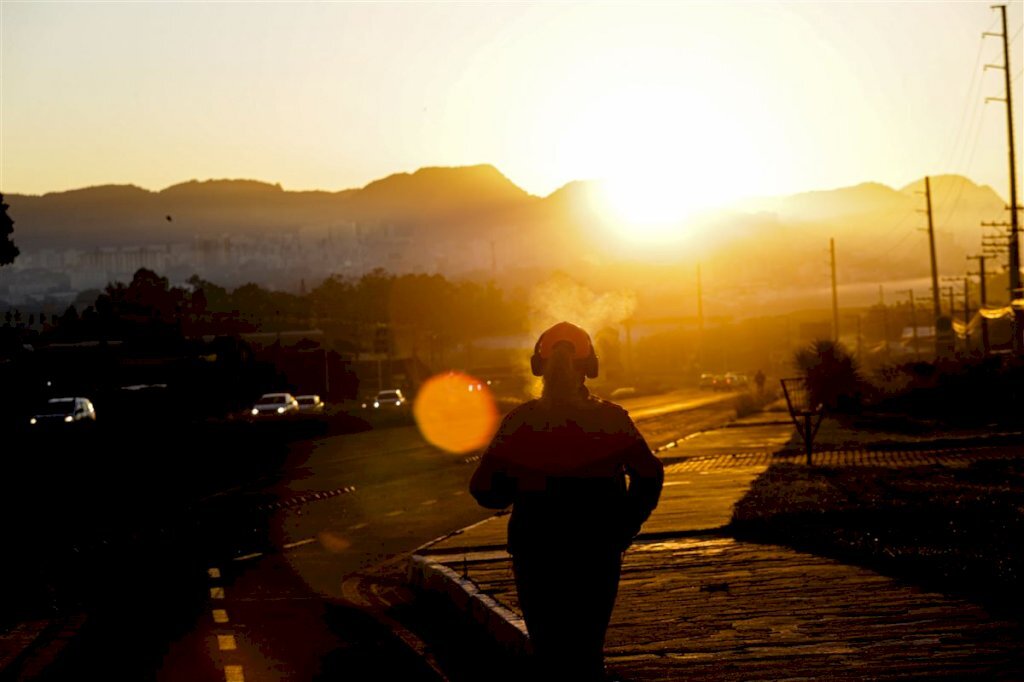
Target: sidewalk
{"x": 695, "y": 604}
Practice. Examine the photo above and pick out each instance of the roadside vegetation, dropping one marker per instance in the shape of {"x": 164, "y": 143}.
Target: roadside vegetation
{"x": 958, "y": 530}
{"x": 954, "y": 530}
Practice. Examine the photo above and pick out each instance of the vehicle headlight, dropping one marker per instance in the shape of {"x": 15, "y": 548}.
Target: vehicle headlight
{"x": 32, "y": 420}
{"x": 376, "y": 403}
{"x": 280, "y": 410}
{"x": 68, "y": 419}
{"x": 255, "y": 412}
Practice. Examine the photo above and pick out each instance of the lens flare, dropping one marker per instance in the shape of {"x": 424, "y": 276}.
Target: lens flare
{"x": 456, "y": 412}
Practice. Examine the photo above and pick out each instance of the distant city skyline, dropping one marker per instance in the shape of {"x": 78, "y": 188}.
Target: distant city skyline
{"x": 718, "y": 101}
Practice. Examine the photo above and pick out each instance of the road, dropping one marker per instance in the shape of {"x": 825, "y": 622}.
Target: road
{"x": 295, "y": 571}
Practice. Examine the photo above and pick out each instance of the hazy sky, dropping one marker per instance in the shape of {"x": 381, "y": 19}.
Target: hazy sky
{"x": 720, "y": 100}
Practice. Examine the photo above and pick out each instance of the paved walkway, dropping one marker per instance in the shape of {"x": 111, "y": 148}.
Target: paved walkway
{"x": 695, "y": 604}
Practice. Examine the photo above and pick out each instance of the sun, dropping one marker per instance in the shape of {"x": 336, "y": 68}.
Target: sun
{"x": 663, "y": 155}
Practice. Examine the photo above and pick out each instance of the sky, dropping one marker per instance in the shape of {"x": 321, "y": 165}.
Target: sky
{"x": 699, "y": 102}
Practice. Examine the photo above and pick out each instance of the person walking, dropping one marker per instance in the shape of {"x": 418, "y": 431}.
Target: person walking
{"x": 581, "y": 481}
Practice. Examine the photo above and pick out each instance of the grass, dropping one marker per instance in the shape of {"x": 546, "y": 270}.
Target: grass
{"x": 954, "y": 530}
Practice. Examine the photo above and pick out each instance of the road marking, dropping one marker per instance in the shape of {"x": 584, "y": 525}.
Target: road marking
{"x": 459, "y": 492}
{"x": 226, "y": 642}
{"x": 213, "y": 572}
{"x": 216, "y": 593}
{"x": 233, "y": 673}
{"x": 246, "y": 557}
{"x": 299, "y": 543}
{"x": 220, "y": 616}
{"x": 357, "y": 526}
{"x": 397, "y": 512}
{"x": 428, "y": 502}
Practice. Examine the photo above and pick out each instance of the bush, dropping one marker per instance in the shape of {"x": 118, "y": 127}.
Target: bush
{"x": 832, "y": 376}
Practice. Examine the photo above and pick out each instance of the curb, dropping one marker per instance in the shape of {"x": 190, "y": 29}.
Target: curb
{"x": 504, "y": 626}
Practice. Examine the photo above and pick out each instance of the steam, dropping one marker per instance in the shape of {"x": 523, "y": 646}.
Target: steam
{"x": 562, "y": 299}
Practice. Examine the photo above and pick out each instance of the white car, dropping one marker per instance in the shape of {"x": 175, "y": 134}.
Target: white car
{"x": 64, "y": 411}
{"x": 275, "y": 405}
{"x": 387, "y": 399}
{"x": 310, "y": 404}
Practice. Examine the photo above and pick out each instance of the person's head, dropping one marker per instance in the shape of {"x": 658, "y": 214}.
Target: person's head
{"x": 565, "y": 357}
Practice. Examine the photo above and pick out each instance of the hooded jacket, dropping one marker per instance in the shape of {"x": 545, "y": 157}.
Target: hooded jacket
{"x": 578, "y": 477}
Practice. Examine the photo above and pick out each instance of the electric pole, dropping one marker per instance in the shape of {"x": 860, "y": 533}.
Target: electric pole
{"x": 1015, "y": 286}
{"x": 982, "y": 301}
{"x": 967, "y": 315}
{"x": 931, "y": 248}
{"x": 835, "y": 297}
{"x": 700, "y": 321}
{"x": 913, "y": 324}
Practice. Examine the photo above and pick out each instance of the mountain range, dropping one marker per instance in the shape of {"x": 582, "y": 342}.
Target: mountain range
{"x": 435, "y": 212}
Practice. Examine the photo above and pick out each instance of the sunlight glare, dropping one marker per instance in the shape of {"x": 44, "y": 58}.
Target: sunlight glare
{"x": 456, "y": 412}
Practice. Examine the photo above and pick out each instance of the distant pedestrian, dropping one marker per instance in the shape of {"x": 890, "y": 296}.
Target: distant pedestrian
{"x": 759, "y": 380}
{"x": 562, "y": 462}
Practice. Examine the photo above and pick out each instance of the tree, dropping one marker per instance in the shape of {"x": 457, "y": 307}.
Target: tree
{"x": 8, "y": 251}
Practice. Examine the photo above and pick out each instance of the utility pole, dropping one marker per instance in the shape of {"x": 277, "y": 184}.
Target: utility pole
{"x": 885, "y": 320}
{"x": 1015, "y": 285}
{"x": 913, "y": 324}
{"x": 700, "y": 322}
{"x": 931, "y": 248}
{"x": 835, "y": 296}
{"x": 967, "y": 315}
{"x": 982, "y": 301}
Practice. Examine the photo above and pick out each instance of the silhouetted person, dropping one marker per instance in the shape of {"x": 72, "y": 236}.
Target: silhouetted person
{"x": 562, "y": 462}
{"x": 759, "y": 380}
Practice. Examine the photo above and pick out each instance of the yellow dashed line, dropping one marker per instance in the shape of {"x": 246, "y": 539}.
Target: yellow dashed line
{"x": 358, "y": 526}
{"x": 233, "y": 673}
{"x": 216, "y": 593}
{"x": 428, "y": 502}
{"x": 226, "y": 642}
{"x": 397, "y": 512}
{"x": 220, "y": 616}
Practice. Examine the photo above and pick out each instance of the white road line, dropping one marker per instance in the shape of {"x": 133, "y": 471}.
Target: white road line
{"x": 226, "y": 642}
{"x": 397, "y": 512}
{"x": 220, "y": 616}
{"x": 246, "y": 557}
{"x": 428, "y": 502}
{"x": 213, "y": 572}
{"x": 233, "y": 673}
{"x": 299, "y": 543}
{"x": 357, "y": 526}
{"x": 216, "y": 593}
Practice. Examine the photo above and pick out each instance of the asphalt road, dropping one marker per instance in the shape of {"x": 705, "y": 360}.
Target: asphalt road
{"x": 290, "y": 568}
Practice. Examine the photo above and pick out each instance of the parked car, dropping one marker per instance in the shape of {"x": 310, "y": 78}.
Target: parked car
{"x": 64, "y": 411}
{"x": 310, "y": 404}
{"x": 391, "y": 398}
{"x": 275, "y": 405}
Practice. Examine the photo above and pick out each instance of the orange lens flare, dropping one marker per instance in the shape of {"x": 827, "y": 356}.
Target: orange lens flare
{"x": 456, "y": 412}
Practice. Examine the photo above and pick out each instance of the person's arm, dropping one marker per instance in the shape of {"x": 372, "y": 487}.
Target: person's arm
{"x": 646, "y": 476}
{"x": 491, "y": 485}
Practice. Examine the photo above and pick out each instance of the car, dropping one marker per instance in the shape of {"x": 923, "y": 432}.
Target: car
{"x": 310, "y": 404}
{"x": 391, "y": 398}
{"x": 735, "y": 381}
{"x": 65, "y": 411}
{"x": 707, "y": 381}
{"x": 275, "y": 405}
